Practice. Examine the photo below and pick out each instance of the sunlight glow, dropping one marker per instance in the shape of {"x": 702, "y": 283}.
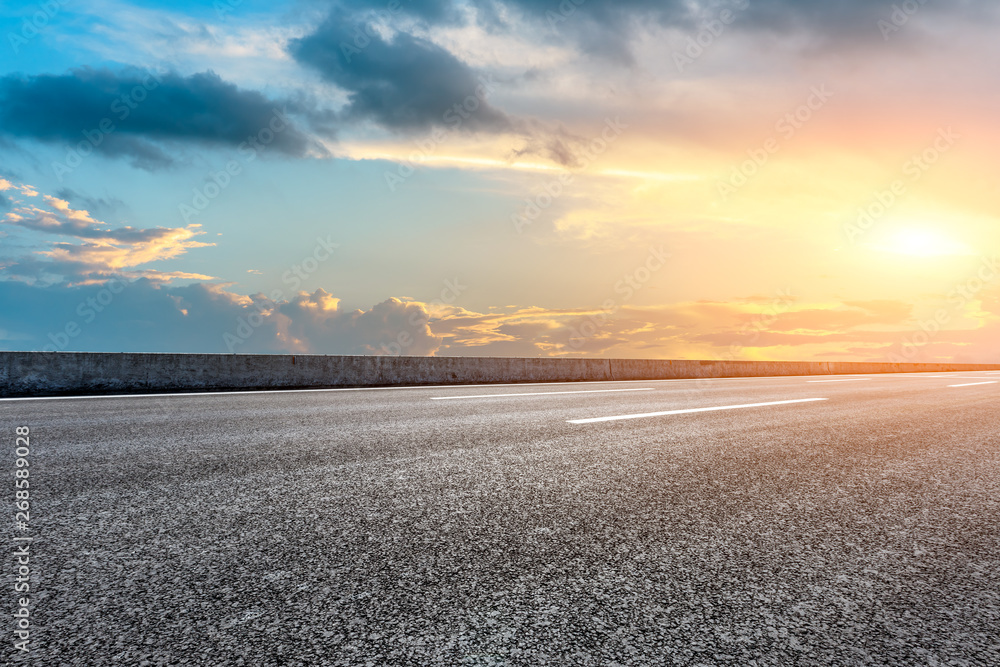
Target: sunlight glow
{"x": 922, "y": 243}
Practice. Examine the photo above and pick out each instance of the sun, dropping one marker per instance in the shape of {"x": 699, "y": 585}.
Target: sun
{"x": 917, "y": 242}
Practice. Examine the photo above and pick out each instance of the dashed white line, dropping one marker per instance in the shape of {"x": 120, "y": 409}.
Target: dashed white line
{"x": 538, "y": 393}
{"x": 945, "y": 377}
{"x": 973, "y": 384}
{"x": 594, "y": 420}
{"x": 849, "y": 380}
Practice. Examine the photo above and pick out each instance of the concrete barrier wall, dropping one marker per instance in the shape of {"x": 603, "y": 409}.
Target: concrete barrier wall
{"x": 62, "y": 373}
{"x": 659, "y": 369}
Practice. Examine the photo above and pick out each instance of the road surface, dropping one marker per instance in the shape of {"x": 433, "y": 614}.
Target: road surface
{"x": 848, "y": 520}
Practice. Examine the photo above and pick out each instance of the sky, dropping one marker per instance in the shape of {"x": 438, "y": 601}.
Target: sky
{"x": 686, "y": 179}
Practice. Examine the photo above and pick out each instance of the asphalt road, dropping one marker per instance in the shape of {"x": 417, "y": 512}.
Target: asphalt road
{"x": 474, "y": 526}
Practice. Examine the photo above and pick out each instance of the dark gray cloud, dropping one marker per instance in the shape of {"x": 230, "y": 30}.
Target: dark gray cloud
{"x": 135, "y": 114}
{"x": 848, "y": 17}
{"x": 822, "y": 16}
{"x": 4, "y": 204}
{"x": 62, "y": 226}
{"x": 602, "y": 28}
{"x": 406, "y": 83}
{"x": 605, "y": 28}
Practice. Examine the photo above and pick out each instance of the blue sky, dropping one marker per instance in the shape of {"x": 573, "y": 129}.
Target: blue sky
{"x": 503, "y": 177}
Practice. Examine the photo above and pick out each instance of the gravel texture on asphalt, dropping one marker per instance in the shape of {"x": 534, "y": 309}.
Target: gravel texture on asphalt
{"x": 383, "y": 528}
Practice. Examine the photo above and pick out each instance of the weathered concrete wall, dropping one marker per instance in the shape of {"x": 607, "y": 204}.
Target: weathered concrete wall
{"x": 660, "y": 369}
{"x": 55, "y": 373}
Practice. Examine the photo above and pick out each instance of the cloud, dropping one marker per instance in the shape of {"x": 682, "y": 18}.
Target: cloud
{"x": 855, "y": 314}
{"x": 741, "y": 329}
{"x": 126, "y": 248}
{"x": 144, "y": 316}
{"x": 607, "y": 28}
{"x": 140, "y": 314}
{"x": 98, "y": 280}
{"x": 316, "y": 323}
{"x": 600, "y": 27}
{"x": 403, "y": 83}
{"x": 138, "y": 115}
{"x": 854, "y": 20}
{"x": 408, "y": 84}
{"x": 95, "y": 250}
{"x": 435, "y": 11}
{"x": 819, "y": 16}
{"x": 96, "y": 205}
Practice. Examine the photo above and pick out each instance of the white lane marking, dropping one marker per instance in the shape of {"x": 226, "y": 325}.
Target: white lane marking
{"x": 387, "y": 388}
{"x": 973, "y": 384}
{"x": 307, "y": 391}
{"x": 198, "y": 393}
{"x": 690, "y": 410}
{"x": 451, "y": 386}
{"x": 947, "y": 377}
{"x": 850, "y": 380}
{"x": 538, "y": 393}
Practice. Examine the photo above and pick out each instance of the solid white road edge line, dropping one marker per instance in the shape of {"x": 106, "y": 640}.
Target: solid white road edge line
{"x": 594, "y": 420}
{"x": 973, "y": 384}
{"x": 538, "y": 393}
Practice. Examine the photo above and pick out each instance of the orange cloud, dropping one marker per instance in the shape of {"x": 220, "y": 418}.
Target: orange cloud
{"x": 97, "y": 250}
